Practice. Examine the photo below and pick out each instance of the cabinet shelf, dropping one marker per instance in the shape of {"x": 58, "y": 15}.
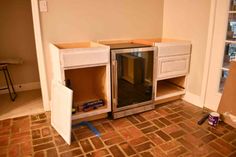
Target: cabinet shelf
{"x": 166, "y": 89}
{"x": 81, "y": 114}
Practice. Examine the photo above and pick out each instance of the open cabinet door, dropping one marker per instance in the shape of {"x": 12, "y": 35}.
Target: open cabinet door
{"x": 61, "y": 110}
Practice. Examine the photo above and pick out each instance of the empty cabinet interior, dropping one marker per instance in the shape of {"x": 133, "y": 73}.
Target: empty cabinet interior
{"x": 88, "y": 84}
{"x": 170, "y": 87}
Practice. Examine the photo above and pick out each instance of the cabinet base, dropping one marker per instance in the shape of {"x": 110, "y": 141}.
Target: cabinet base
{"x": 132, "y": 111}
{"x": 91, "y": 118}
{"x": 168, "y": 99}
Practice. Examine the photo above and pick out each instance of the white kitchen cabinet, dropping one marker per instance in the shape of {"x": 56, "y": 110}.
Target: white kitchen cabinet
{"x": 87, "y": 66}
{"x": 172, "y": 60}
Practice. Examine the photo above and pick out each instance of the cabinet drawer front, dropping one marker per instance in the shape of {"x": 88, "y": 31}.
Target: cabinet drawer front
{"x": 86, "y": 57}
{"x": 173, "y": 49}
{"x": 172, "y": 66}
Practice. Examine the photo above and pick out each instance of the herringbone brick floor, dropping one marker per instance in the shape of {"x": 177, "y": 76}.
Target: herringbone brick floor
{"x": 169, "y": 130}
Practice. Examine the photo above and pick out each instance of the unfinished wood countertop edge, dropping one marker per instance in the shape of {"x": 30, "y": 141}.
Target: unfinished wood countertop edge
{"x": 79, "y": 45}
{"x": 145, "y": 41}
{"x": 102, "y": 43}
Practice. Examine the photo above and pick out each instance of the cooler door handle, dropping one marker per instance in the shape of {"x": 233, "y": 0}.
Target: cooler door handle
{"x": 115, "y": 84}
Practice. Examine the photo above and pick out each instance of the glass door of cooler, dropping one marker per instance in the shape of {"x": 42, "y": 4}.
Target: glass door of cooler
{"x": 133, "y": 79}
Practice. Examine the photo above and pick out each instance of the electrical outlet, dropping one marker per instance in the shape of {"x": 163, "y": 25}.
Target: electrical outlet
{"x": 43, "y": 6}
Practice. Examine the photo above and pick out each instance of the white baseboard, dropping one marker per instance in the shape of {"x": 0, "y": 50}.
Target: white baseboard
{"x": 23, "y": 87}
{"x": 193, "y": 99}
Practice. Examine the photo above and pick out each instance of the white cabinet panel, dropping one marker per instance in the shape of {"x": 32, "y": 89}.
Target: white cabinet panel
{"x": 61, "y": 110}
{"x": 172, "y": 66}
{"x": 171, "y": 49}
{"x": 90, "y": 56}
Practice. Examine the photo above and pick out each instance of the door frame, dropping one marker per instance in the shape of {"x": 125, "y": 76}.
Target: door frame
{"x": 40, "y": 54}
{"x": 208, "y": 58}
{"x": 207, "y": 62}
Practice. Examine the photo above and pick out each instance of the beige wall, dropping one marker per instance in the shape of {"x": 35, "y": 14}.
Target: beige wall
{"x": 81, "y": 20}
{"x": 17, "y": 40}
{"x": 188, "y": 20}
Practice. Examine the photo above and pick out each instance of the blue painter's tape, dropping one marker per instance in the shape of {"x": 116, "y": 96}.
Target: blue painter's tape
{"x": 90, "y": 126}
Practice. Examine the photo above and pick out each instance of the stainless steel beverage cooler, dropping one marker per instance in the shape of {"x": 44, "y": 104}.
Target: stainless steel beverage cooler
{"x": 132, "y": 78}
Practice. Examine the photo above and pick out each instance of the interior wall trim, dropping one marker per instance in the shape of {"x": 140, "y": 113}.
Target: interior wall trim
{"x": 40, "y": 54}
{"x": 209, "y": 52}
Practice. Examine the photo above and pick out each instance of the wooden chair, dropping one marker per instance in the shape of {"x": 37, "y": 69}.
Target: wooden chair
{"x": 4, "y": 68}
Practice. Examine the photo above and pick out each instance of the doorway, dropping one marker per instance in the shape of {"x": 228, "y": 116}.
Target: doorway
{"x": 17, "y": 41}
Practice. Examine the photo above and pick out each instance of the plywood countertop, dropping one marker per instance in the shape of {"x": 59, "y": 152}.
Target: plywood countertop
{"x": 155, "y": 41}
{"x": 150, "y": 41}
{"x": 103, "y": 43}
{"x": 73, "y": 45}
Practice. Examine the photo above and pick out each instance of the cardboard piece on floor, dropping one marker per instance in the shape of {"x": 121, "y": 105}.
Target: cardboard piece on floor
{"x": 227, "y": 106}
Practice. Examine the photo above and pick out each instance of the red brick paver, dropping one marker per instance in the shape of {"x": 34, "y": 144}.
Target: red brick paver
{"x": 169, "y": 130}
